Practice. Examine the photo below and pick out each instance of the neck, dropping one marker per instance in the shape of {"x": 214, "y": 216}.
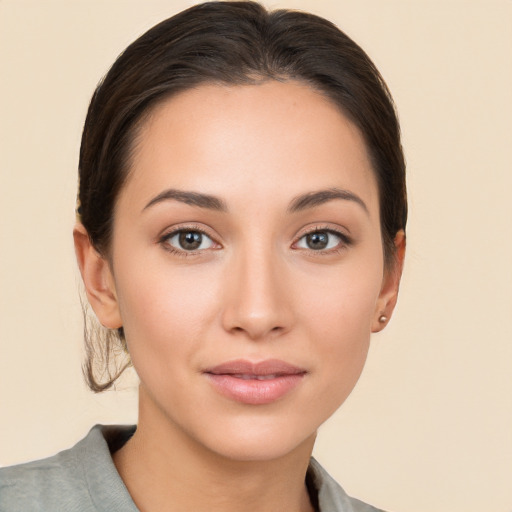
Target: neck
{"x": 165, "y": 469}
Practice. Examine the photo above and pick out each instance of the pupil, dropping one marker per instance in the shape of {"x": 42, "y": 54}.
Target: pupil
{"x": 190, "y": 240}
{"x": 317, "y": 240}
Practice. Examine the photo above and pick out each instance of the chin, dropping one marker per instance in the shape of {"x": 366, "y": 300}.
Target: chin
{"x": 256, "y": 440}
{"x": 262, "y": 449}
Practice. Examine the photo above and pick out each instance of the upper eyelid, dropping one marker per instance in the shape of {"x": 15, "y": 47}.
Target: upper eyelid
{"x": 344, "y": 233}
{"x": 164, "y": 240}
{"x": 172, "y": 230}
{"x": 345, "y": 240}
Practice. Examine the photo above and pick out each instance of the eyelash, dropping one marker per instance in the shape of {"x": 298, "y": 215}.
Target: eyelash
{"x": 164, "y": 240}
{"x": 345, "y": 241}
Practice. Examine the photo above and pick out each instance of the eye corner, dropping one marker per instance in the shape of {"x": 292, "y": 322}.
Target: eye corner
{"x": 322, "y": 240}
{"x": 188, "y": 240}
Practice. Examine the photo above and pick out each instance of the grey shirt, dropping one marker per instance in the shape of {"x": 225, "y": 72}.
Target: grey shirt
{"x": 85, "y": 479}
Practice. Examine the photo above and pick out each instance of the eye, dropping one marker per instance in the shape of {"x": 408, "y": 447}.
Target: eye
{"x": 189, "y": 240}
{"x": 321, "y": 240}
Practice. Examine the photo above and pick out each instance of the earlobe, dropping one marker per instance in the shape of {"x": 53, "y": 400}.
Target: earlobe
{"x": 97, "y": 278}
{"x": 390, "y": 284}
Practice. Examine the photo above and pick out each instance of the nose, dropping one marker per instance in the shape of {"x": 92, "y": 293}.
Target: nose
{"x": 257, "y": 302}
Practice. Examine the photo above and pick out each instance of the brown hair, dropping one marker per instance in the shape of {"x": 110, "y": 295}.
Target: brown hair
{"x": 230, "y": 43}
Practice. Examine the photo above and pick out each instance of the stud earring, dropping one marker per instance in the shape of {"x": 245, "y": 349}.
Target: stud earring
{"x": 383, "y": 319}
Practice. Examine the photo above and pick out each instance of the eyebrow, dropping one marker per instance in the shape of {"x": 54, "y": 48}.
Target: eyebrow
{"x": 192, "y": 198}
{"x": 312, "y": 199}
{"x": 299, "y": 203}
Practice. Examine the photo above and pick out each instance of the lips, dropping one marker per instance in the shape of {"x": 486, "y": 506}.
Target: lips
{"x": 255, "y": 383}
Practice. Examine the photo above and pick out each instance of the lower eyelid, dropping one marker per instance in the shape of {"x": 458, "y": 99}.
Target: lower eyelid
{"x": 343, "y": 238}
{"x": 176, "y": 234}
{"x": 166, "y": 237}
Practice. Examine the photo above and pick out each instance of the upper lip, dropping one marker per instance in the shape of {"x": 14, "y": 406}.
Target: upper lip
{"x": 261, "y": 368}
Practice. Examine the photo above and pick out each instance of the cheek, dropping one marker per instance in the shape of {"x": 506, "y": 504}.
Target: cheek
{"x": 341, "y": 304}
{"x": 166, "y": 312}
{"x": 338, "y": 316}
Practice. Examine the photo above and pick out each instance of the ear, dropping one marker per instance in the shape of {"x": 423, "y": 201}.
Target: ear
{"x": 98, "y": 279}
{"x": 391, "y": 282}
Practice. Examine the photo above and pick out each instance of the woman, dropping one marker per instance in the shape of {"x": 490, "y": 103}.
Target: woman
{"x": 240, "y": 235}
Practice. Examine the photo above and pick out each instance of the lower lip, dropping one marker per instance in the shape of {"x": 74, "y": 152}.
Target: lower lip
{"x": 253, "y": 391}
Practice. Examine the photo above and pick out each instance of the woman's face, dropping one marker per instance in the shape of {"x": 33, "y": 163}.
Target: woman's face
{"x": 247, "y": 265}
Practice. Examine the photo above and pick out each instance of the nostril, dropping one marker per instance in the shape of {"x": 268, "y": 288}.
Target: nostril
{"x": 257, "y": 331}
{"x": 255, "y": 307}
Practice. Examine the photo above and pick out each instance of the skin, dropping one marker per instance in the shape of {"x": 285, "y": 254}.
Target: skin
{"x": 254, "y": 290}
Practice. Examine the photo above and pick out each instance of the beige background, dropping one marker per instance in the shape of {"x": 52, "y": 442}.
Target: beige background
{"x": 429, "y": 428}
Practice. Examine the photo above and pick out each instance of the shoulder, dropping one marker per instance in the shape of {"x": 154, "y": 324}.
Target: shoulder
{"x": 72, "y": 480}
{"x": 331, "y": 496}
{"x": 53, "y": 482}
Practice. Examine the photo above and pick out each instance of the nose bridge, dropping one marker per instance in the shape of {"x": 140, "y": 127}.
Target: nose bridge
{"x": 257, "y": 303}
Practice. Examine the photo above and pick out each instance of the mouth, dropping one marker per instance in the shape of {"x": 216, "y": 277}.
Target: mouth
{"x": 255, "y": 383}
{"x": 255, "y": 377}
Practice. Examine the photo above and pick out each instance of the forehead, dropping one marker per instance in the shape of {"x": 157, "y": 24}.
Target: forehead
{"x": 222, "y": 139}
